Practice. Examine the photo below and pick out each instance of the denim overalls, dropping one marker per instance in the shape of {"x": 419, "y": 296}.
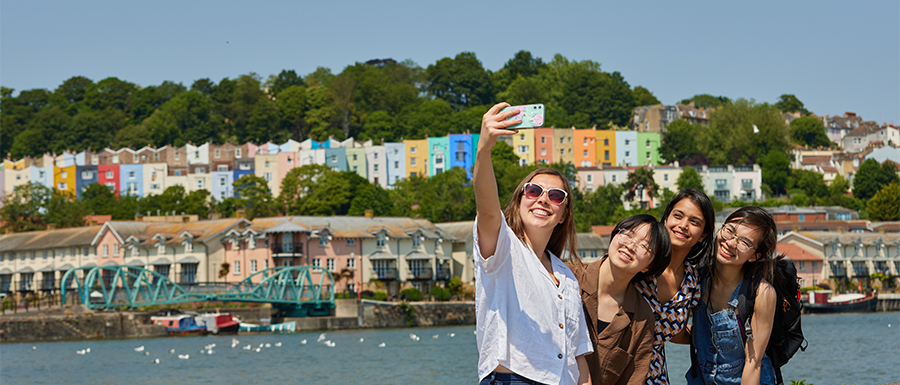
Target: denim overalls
{"x": 720, "y": 348}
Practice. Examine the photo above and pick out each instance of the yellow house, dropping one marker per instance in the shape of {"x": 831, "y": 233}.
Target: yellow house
{"x": 523, "y": 145}
{"x": 64, "y": 180}
{"x": 606, "y": 148}
{"x": 416, "y": 157}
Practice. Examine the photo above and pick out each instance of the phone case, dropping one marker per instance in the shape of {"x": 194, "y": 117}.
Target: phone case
{"x": 532, "y": 115}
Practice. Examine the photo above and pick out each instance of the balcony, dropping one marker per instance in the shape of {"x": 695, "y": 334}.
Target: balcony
{"x": 420, "y": 275}
{"x": 289, "y": 251}
{"x": 386, "y": 274}
{"x": 444, "y": 274}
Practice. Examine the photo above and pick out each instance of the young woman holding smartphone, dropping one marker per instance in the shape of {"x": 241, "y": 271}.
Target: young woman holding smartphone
{"x": 620, "y": 321}
{"x": 744, "y": 247}
{"x": 690, "y": 221}
{"x": 530, "y": 326}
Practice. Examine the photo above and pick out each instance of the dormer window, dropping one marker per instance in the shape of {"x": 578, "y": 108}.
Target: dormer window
{"x": 417, "y": 240}
{"x": 251, "y": 243}
{"x": 188, "y": 247}
{"x": 235, "y": 244}
{"x": 382, "y": 240}
{"x": 162, "y": 249}
{"x": 323, "y": 241}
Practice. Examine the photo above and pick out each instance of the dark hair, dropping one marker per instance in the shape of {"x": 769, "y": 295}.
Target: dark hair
{"x": 763, "y": 267}
{"x": 659, "y": 243}
{"x": 563, "y": 237}
{"x": 703, "y": 249}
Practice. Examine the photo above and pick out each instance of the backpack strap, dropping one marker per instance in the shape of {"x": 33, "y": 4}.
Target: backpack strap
{"x": 746, "y": 299}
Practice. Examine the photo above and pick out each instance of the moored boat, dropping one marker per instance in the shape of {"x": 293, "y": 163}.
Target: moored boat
{"x": 286, "y": 327}
{"x": 821, "y": 301}
{"x": 218, "y": 323}
{"x": 179, "y": 324}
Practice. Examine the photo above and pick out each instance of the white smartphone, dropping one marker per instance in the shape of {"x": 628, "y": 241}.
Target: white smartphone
{"x": 532, "y": 116}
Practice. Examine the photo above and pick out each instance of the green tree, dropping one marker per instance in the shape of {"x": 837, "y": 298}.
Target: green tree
{"x": 811, "y": 182}
{"x": 596, "y": 207}
{"x": 99, "y": 199}
{"x": 790, "y": 103}
{"x": 742, "y": 132}
{"x": 447, "y": 198}
{"x": 284, "y": 80}
{"x": 597, "y": 98}
{"x": 296, "y": 185}
{"x": 197, "y": 202}
{"x": 643, "y": 97}
{"x": 371, "y": 197}
{"x": 689, "y": 178}
{"x": 110, "y": 93}
{"x": 426, "y": 117}
{"x": 24, "y": 209}
{"x": 521, "y": 66}
{"x": 149, "y": 99}
{"x": 707, "y": 101}
{"x": 255, "y": 197}
{"x": 810, "y": 132}
{"x": 461, "y": 81}
{"x": 65, "y": 211}
{"x": 679, "y": 141}
{"x": 885, "y": 205}
{"x": 776, "y": 168}
{"x": 70, "y": 94}
{"x": 871, "y": 177}
{"x": 186, "y": 118}
{"x": 640, "y": 181}
{"x": 293, "y": 105}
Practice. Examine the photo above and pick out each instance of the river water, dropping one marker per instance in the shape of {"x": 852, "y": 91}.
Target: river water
{"x": 843, "y": 349}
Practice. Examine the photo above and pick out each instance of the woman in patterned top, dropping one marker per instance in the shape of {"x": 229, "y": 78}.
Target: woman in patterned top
{"x": 690, "y": 219}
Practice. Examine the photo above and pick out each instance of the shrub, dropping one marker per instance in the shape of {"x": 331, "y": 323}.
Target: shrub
{"x": 380, "y": 295}
{"x": 806, "y": 289}
{"x": 455, "y": 286}
{"x": 412, "y": 294}
{"x": 440, "y": 293}
{"x": 367, "y": 294}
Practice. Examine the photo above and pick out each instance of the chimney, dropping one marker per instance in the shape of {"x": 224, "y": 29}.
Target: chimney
{"x": 370, "y": 214}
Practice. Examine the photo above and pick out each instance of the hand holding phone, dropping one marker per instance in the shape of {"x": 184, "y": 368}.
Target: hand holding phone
{"x": 532, "y": 115}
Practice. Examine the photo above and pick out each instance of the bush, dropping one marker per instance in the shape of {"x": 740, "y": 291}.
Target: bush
{"x": 806, "y": 289}
{"x": 412, "y": 294}
{"x": 380, "y": 295}
{"x": 367, "y": 294}
{"x": 455, "y": 286}
{"x": 440, "y": 293}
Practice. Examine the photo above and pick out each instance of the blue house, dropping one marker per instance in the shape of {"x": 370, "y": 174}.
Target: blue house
{"x": 131, "y": 179}
{"x": 438, "y": 152}
{"x": 43, "y": 175}
{"x": 84, "y": 176}
{"x": 222, "y": 184}
{"x": 626, "y": 148}
{"x": 396, "y": 162}
{"x": 461, "y": 153}
{"x": 336, "y": 158}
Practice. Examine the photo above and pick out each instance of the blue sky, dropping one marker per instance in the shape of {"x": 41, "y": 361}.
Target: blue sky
{"x": 834, "y": 56}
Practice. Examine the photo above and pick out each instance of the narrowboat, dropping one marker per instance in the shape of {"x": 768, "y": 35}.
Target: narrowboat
{"x": 218, "y": 323}
{"x": 179, "y": 325}
{"x": 821, "y": 301}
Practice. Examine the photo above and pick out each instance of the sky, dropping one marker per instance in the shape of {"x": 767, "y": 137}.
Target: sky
{"x": 834, "y": 56}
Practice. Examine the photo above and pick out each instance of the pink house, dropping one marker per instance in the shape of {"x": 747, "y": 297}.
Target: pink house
{"x": 808, "y": 264}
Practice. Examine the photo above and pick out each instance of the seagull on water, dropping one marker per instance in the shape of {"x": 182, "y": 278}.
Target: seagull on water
{"x": 139, "y": 348}
{"x": 381, "y": 345}
{"x": 184, "y": 356}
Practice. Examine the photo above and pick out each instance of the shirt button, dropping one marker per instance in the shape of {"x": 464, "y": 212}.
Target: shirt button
{"x": 560, "y": 326}
{"x": 560, "y": 296}
{"x": 559, "y": 356}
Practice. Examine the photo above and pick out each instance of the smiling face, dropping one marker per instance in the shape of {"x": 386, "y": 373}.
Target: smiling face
{"x": 634, "y": 255}
{"x": 685, "y": 225}
{"x": 540, "y": 213}
{"x": 735, "y": 236}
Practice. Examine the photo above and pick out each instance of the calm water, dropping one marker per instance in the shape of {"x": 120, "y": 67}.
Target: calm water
{"x": 844, "y": 349}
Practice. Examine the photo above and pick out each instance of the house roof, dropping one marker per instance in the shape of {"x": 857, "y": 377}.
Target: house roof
{"x": 814, "y": 159}
{"x": 591, "y": 241}
{"x": 37, "y": 240}
{"x": 357, "y": 227}
{"x": 796, "y": 253}
{"x": 462, "y": 231}
{"x": 602, "y": 230}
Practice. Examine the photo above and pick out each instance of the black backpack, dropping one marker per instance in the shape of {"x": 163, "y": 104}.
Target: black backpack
{"x": 787, "y": 335}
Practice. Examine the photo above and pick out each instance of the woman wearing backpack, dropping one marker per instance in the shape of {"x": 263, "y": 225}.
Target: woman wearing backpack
{"x": 690, "y": 221}
{"x": 620, "y": 322}
{"x": 744, "y": 246}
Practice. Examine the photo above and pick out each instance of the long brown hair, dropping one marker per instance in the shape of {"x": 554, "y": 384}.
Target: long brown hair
{"x": 764, "y": 266}
{"x": 563, "y": 237}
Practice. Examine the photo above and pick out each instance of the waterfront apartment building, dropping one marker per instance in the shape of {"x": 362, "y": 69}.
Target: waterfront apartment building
{"x": 851, "y": 258}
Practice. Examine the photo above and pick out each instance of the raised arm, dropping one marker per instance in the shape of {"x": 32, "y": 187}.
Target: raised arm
{"x": 487, "y": 201}
{"x": 761, "y": 324}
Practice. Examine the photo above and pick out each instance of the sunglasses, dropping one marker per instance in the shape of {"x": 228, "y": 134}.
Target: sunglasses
{"x": 534, "y": 191}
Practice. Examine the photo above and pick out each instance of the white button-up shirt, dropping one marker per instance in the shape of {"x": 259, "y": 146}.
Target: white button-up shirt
{"x": 524, "y": 321}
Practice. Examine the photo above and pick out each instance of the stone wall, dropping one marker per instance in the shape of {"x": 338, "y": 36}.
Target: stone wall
{"x": 392, "y": 314}
{"x": 84, "y": 326}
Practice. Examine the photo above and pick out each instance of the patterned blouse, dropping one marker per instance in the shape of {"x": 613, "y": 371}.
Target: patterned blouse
{"x": 671, "y": 317}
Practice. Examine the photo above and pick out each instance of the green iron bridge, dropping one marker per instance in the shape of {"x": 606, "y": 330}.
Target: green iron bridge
{"x": 296, "y": 291}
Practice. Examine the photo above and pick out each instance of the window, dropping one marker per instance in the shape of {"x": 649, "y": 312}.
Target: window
{"x": 196, "y": 154}
{"x": 381, "y": 241}
{"x": 412, "y": 150}
{"x": 627, "y": 141}
{"x": 316, "y": 262}
{"x": 116, "y": 250}
{"x": 64, "y": 175}
{"x": 438, "y": 158}
{"x": 200, "y": 170}
{"x": 521, "y": 137}
{"x": 562, "y": 140}
{"x": 375, "y": 155}
{"x": 237, "y": 152}
{"x": 375, "y": 167}
{"x": 217, "y": 153}
{"x": 648, "y": 155}
{"x": 417, "y": 240}
{"x": 253, "y": 266}
{"x": 523, "y": 149}
{"x": 648, "y": 143}
{"x": 396, "y": 164}
{"x": 323, "y": 241}
{"x": 222, "y": 195}
{"x": 412, "y": 174}
{"x": 177, "y": 155}
{"x": 156, "y": 157}
{"x": 267, "y": 164}
{"x": 585, "y": 141}
{"x": 329, "y": 264}
{"x": 199, "y": 183}
{"x": 814, "y": 265}
{"x": 266, "y": 264}
{"x": 585, "y": 153}
{"x": 131, "y": 175}
{"x": 412, "y": 162}
{"x": 115, "y": 159}
{"x": 237, "y": 267}
{"x": 221, "y": 181}
{"x": 543, "y": 152}
{"x": 105, "y": 251}
{"x": 606, "y": 141}
{"x": 62, "y": 186}
{"x": 188, "y": 273}
{"x": 801, "y": 217}
{"x": 289, "y": 161}
{"x": 355, "y": 168}
{"x": 162, "y": 249}
{"x": 606, "y": 155}
{"x": 46, "y": 254}
{"x": 154, "y": 187}
{"x": 562, "y": 152}
{"x": 665, "y": 177}
{"x": 613, "y": 178}
{"x": 287, "y": 243}
{"x": 244, "y": 166}
{"x": 351, "y": 263}
{"x": 188, "y": 247}
{"x": 627, "y": 153}
{"x": 95, "y": 160}
{"x": 177, "y": 173}
{"x": 222, "y": 167}
{"x": 354, "y": 157}
{"x": 135, "y": 158}
{"x": 267, "y": 176}
{"x": 590, "y": 178}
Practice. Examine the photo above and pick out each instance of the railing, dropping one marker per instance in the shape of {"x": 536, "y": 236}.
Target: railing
{"x": 421, "y": 274}
{"x": 280, "y": 249}
{"x": 444, "y": 273}
{"x": 386, "y": 274}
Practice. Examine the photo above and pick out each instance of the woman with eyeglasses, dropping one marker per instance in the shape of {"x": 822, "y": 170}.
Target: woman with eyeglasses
{"x": 744, "y": 247}
{"x": 620, "y": 322}
{"x": 690, "y": 221}
{"x": 529, "y": 322}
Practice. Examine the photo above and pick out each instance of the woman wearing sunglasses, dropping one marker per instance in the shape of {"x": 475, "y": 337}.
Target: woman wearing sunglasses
{"x": 690, "y": 221}
{"x": 530, "y": 326}
{"x": 620, "y": 322}
{"x": 744, "y": 247}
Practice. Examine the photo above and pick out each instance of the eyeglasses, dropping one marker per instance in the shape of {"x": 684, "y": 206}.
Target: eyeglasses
{"x": 743, "y": 243}
{"x": 534, "y": 191}
{"x": 628, "y": 238}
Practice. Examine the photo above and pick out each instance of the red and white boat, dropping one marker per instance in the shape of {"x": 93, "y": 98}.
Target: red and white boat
{"x": 821, "y": 301}
{"x": 219, "y": 323}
